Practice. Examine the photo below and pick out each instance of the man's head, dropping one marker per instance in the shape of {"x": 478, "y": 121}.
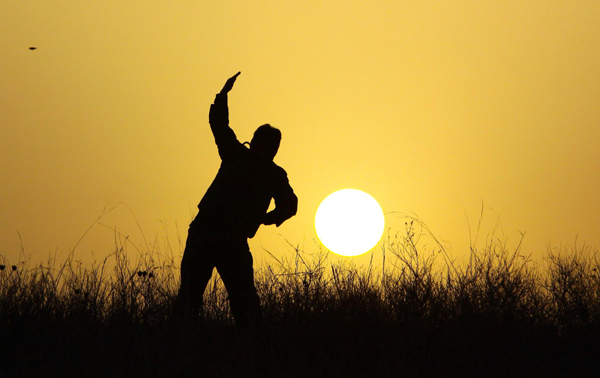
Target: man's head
{"x": 265, "y": 142}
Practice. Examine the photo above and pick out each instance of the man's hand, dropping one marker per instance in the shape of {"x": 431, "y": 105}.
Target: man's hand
{"x": 229, "y": 84}
{"x": 268, "y": 220}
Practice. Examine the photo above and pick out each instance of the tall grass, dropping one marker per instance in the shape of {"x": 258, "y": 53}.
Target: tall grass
{"x": 494, "y": 313}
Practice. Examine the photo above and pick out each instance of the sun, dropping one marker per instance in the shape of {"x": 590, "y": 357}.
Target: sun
{"x": 349, "y": 222}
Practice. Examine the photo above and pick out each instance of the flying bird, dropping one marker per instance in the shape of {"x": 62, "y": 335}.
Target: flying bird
{"x": 32, "y": 48}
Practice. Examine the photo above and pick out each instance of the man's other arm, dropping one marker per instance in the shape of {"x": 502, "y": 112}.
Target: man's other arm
{"x": 286, "y": 205}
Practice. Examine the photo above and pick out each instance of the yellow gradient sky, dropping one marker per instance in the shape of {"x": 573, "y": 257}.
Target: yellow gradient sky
{"x": 432, "y": 107}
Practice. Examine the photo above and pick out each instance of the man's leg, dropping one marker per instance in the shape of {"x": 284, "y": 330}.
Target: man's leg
{"x": 237, "y": 273}
{"x": 196, "y": 269}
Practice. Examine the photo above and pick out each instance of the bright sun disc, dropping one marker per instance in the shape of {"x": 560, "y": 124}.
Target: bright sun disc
{"x": 349, "y": 222}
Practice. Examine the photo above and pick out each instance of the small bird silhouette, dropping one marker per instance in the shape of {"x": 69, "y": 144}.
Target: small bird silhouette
{"x": 32, "y": 48}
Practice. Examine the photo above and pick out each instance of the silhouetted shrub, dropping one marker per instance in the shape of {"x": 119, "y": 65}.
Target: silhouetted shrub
{"x": 421, "y": 313}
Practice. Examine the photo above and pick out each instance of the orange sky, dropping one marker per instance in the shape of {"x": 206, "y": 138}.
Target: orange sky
{"x": 431, "y": 107}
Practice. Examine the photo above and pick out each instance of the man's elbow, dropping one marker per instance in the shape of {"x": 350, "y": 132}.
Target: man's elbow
{"x": 293, "y": 205}
{"x": 286, "y": 211}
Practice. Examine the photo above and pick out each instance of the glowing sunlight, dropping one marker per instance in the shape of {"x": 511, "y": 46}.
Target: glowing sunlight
{"x": 349, "y": 222}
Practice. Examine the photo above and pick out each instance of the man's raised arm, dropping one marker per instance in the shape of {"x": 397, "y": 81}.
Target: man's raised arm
{"x": 219, "y": 120}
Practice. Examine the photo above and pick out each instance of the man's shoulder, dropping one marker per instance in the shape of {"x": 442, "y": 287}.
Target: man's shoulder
{"x": 278, "y": 170}
{"x": 237, "y": 152}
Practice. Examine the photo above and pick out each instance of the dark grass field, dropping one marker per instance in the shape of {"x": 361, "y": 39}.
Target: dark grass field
{"x": 497, "y": 314}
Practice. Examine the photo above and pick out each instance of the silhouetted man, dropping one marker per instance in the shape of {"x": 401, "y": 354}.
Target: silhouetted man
{"x": 231, "y": 211}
